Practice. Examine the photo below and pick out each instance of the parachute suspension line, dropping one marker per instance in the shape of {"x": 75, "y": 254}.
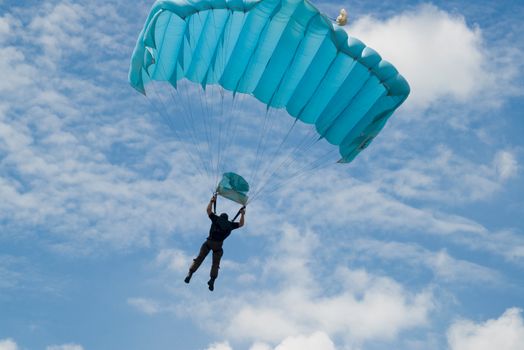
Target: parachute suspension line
{"x": 208, "y": 113}
{"x": 195, "y": 115}
{"x": 304, "y": 143}
{"x": 211, "y": 130}
{"x": 204, "y": 114}
{"x": 274, "y": 116}
{"x": 318, "y": 164}
{"x": 303, "y": 147}
{"x": 215, "y": 129}
{"x": 261, "y": 136}
{"x": 198, "y": 118}
{"x": 218, "y": 137}
{"x": 261, "y": 147}
{"x": 173, "y": 128}
{"x": 272, "y": 158}
{"x": 188, "y": 124}
{"x": 237, "y": 103}
{"x": 189, "y": 121}
{"x": 321, "y": 161}
{"x": 193, "y": 44}
{"x": 221, "y": 115}
{"x": 215, "y": 105}
{"x": 310, "y": 140}
{"x": 226, "y": 128}
{"x": 289, "y": 160}
{"x": 271, "y": 161}
{"x": 230, "y": 132}
{"x": 225, "y": 124}
{"x": 221, "y": 43}
{"x": 307, "y": 141}
{"x": 265, "y": 123}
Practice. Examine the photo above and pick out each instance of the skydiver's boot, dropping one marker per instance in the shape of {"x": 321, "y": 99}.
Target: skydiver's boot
{"x": 211, "y": 284}
{"x": 188, "y": 277}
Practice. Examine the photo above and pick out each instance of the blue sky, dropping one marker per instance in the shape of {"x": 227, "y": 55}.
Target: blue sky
{"x": 417, "y": 244}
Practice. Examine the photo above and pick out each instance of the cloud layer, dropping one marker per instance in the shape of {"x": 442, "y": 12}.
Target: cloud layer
{"x": 85, "y": 169}
{"x": 503, "y": 333}
{"x": 441, "y": 55}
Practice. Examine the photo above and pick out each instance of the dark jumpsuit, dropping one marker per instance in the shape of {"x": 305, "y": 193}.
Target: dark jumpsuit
{"x": 220, "y": 229}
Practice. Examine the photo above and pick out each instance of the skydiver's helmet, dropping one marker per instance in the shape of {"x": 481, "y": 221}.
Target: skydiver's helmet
{"x": 224, "y": 216}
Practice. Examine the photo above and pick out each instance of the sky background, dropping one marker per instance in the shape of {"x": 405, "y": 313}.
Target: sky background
{"x": 417, "y": 244}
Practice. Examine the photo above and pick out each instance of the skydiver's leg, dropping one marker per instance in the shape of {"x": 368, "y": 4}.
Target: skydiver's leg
{"x": 217, "y": 255}
{"x": 204, "y": 250}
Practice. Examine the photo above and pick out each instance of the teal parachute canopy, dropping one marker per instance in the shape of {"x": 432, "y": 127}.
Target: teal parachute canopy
{"x": 233, "y": 187}
{"x": 283, "y": 52}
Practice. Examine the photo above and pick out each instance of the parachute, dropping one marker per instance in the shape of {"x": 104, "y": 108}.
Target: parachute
{"x": 284, "y": 53}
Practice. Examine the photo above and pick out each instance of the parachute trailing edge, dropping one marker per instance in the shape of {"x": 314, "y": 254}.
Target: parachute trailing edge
{"x": 283, "y": 52}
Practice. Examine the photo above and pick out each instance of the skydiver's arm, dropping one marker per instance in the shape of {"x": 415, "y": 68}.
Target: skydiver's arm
{"x": 242, "y": 213}
{"x": 213, "y": 200}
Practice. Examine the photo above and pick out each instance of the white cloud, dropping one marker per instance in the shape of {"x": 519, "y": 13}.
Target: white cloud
{"x": 361, "y": 307}
{"x": 65, "y": 347}
{"x": 363, "y": 206}
{"x": 260, "y": 346}
{"x": 438, "y": 53}
{"x": 67, "y": 182}
{"x": 56, "y": 146}
{"x": 220, "y": 346}
{"x": 59, "y": 27}
{"x": 18, "y": 74}
{"x": 21, "y": 274}
{"x": 444, "y": 267}
{"x": 8, "y": 344}
{"x": 447, "y": 177}
{"x": 260, "y": 322}
{"x": 9, "y": 276}
{"x": 57, "y": 132}
{"x": 176, "y": 260}
{"x": 504, "y": 333}
{"x": 146, "y": 306}
{"x": 371, "y": 209}
{"x": 505, "y": 243}
{"x": 506, "y": 164}
{"x": 64, "y": 180}
{"x": 5, "y": 28}
{"x": 314, "y": 341}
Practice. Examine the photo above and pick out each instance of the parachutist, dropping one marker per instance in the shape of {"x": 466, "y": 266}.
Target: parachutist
{"x": 220, "y": 229}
